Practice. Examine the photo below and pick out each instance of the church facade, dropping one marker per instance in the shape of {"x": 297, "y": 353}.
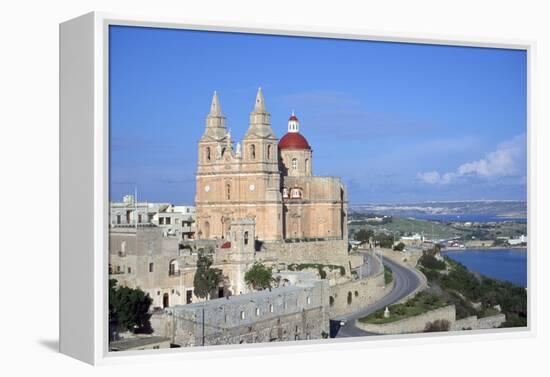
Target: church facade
{"x": 265, "y": 179}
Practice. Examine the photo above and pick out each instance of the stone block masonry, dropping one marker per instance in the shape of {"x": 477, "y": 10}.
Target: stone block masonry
{"x": 417, "y": 324}
{"x": 474, "y": 323}
{"x": 322, "y": 252}
{"x": 351, "y": 296}
{"x": 295, "y": 312}
{"x": 410, "y": 325}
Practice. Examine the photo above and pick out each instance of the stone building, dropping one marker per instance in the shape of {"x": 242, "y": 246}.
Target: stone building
{"x": 175, "y": 221}
{"x": 293, "y": 312}
{"x": 144, "y": 258}
{"x": 141, "y": 257}
{"x": 256, "y": 201}
{"x": 265, "y": 179}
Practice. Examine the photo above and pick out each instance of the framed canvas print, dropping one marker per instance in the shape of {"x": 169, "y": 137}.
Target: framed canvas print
{"x": 228, "y": 187}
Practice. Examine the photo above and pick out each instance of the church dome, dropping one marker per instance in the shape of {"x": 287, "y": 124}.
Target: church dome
{"x": 293, "y": 140}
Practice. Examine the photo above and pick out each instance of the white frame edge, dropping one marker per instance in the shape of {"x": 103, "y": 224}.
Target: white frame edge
{"x": 84, "y": 166}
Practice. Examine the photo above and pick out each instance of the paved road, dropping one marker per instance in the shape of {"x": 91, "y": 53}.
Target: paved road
{"x": 406, "y": 281}
{"x": 371, "y": 266}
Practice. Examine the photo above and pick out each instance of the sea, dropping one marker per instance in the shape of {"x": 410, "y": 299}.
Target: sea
{"x": 502, "y": 264}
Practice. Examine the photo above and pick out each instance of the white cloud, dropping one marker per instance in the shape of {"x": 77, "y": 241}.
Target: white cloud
{"x": 507, "y": 160}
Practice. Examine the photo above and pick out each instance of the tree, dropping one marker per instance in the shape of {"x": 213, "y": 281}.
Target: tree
{"x": 399, "y": 247}
{"x": 428, "y": 260}
{"x": 384, "y": 240}
{"x": 364, "y": 235}
{"x": 258, "y": 276}
{"x": 206, "y": 278}
{"x": 129, "y": 308}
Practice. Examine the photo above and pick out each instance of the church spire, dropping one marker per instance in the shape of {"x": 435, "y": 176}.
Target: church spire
{"x": 260, "y": 124}
{"x": 215, "y": 121}
{"x": 259, "y": 106}
{"x": 215, "y": 108}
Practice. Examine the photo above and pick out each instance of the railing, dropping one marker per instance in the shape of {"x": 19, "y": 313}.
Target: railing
{"x": 174, "y": 273}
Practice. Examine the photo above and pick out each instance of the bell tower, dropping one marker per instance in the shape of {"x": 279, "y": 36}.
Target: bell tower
{"x": 213, "y": 145}
{"x": 214, "y": 136}
{"x": 238, "y": 183}
{"x": 260, "y": 162}
{"x": 260, "y": 143}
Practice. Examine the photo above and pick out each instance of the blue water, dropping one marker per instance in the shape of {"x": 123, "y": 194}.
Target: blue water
{"x": 505, "y": 264}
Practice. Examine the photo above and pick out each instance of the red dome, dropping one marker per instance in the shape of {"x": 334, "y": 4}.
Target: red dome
{"x": 293, "y": 117}
{"x": 293, "y": 140}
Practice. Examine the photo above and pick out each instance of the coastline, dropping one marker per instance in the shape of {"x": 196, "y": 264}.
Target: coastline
{"x": 522, "y": 249}
{"x": 505, "y": 264}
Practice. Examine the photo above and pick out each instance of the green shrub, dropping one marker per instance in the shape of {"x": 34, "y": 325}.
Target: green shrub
{"x": 320, "y": 268}
{"x": 399, "y": 247}
{"x": 258, "y": 276}
{"x": 429, "y": 261}
{"x": 388, "y": 275}
{"x": 421, "y": 303}
{"x": 437, "y": 325}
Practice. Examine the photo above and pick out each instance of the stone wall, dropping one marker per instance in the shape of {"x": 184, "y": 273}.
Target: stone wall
{"x": 351, "y": 296}
{"x": 474, "y": 323}
{"x": 409, "y": 325}
{"x": 281, "y": 314}
{"x": 324, "y": 252}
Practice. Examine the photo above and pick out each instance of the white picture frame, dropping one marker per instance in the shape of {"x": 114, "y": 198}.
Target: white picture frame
{"x": 84, "y": 173}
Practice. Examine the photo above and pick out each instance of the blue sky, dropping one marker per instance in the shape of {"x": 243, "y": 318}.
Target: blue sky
{"x": 398, "y": 122}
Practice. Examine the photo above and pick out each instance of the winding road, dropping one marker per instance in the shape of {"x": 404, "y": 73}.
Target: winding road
{"x": 406, "y": 281}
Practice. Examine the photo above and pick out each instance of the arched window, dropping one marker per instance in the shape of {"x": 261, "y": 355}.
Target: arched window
{"x": 206, "y": 230}
{"x": 269, "y": 152}
{"x": 295, "y": 193}
{"x": 208, "y": 154}
{"x": 228, "y": 191}
{"x": 173, "y": 268}
{"x": 307, "y": 165}
{"x": 246, "y": 238}
{"x": 294, "y": 164}
{"x": 252, "y": 151}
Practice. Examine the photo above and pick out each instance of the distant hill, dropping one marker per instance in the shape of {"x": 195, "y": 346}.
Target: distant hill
{"x": 480, "y": 207}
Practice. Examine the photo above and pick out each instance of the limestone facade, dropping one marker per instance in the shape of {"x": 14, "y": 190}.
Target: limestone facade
{"x": 296, "y": 312}
{"x": 144, "y": 258}
{"x": 266, "y": 180}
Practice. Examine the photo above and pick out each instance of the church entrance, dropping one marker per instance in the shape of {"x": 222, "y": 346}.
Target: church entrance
{"x": 165, "y": 301}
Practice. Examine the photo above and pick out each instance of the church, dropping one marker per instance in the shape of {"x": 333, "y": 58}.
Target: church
{"x": 265, "y": 179}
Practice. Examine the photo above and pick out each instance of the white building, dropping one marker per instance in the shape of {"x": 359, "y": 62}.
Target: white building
{"x": 176, "y": 221}
{"x": 518, "y": 241}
